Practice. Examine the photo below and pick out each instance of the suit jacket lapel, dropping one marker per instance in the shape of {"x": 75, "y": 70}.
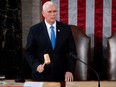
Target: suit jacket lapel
{"x": 45, "y": 32}
{"x": 58, "y": 31}
{"x": 58, "y": 35}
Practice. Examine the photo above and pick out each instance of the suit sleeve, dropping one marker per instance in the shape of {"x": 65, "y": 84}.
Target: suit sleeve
{"x": 30, "y": 52}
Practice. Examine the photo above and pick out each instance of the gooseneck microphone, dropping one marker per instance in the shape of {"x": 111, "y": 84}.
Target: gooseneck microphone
{"x": 74, "y": 56}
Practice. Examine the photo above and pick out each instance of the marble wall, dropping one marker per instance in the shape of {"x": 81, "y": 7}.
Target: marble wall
{"x": 17, "y": 16}
{"x": 10, "y": 37}
{"x": 31, "y": 14}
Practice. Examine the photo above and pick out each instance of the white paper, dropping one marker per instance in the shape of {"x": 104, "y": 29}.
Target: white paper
{"x": 33, "y": 84}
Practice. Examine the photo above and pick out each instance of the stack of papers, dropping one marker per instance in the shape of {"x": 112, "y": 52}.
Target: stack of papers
{"x": 42, "y": 84}
{"x": 33, "y": 84}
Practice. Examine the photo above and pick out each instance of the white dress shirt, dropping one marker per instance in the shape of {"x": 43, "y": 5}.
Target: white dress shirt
{"x": 48, "y": 28}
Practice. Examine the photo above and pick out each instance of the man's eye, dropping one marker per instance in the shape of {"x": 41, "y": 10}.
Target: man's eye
{"x": 54, "y": 11}
{"x": 49, "y": 11}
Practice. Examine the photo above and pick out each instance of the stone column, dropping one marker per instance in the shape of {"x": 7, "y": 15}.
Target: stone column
{"x": 31, "y": 14}
{"x": 36, "y": 11}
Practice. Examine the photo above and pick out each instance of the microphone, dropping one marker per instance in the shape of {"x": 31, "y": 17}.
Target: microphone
{"x": 74, "y": 56}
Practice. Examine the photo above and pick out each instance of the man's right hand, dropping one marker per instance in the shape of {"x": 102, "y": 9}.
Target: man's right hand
{"x": 40, "y": 68}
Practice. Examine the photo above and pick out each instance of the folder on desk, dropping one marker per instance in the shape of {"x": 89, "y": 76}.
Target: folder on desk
{"x": 42, "y": 84}
{"x": 33, "y": 84}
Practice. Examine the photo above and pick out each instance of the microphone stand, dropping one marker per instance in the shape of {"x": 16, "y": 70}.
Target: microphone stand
{"x": 74, "y": 56}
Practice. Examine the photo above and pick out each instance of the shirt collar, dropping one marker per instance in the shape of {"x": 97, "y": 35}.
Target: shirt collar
{"x": 48, "y": 25}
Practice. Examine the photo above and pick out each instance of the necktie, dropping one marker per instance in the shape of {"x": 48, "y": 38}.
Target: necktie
{"x": 52, "y": 36}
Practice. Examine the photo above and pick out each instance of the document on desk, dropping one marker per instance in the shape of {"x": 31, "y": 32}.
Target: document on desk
{"x": 42, "y": 84}
{"x": 33, "y": 84}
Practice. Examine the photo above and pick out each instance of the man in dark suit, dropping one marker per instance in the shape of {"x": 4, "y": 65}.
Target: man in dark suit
{"x": 62, "y": 65}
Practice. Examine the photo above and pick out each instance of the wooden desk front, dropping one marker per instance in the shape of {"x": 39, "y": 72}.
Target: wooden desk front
{"x": 91, "y": 84}
{"x": 12, "y": 83}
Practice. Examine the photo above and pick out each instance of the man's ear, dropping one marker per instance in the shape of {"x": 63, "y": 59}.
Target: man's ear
{"x": 43, "y": 13}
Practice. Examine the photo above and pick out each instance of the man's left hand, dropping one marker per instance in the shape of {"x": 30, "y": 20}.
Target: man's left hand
{"x": 68, "y": 77}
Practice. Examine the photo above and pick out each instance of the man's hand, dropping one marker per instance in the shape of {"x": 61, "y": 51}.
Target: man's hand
{"x": 68, "y": 77}
{"x": 40, "y": 68}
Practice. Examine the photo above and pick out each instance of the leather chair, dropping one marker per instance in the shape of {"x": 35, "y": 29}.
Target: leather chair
{"x": 82, "y": 42}
{"x": 111, "y": 57}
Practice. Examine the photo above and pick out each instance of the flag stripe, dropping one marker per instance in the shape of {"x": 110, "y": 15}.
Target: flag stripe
{"x": 81, "y": 13}
{"x": 43, "y": 1}
{"x": 72, "y": 12}
{"x": 113, "y": 15}
{"x": 106, "y": 21}
{"x": 64, "y": 11}
{"x": 98, "y": 28}
{"x": 90, "y": 20}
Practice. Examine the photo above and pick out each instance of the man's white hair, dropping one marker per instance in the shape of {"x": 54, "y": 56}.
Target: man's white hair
{"x": 47, "y": 4}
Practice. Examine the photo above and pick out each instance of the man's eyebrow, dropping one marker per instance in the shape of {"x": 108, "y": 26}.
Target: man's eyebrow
{"x": 52, "y": 11}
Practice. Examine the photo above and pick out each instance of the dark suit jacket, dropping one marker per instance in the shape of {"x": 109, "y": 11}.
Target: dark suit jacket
{"x": 38, "y": 43}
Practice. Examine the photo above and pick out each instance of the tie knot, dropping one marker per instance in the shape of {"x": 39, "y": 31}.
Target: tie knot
{"x": 51, "y": 27}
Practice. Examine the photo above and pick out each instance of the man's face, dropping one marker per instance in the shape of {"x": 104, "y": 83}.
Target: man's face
{"x": 50, "y": 13}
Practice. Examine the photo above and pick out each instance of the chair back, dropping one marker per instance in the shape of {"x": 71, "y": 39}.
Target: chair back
{"x": 82, "y": 42}
{"x": 111, "y": 57}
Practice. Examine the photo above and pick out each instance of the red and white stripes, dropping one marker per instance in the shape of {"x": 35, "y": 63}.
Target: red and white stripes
{"x": 97, "y": 18}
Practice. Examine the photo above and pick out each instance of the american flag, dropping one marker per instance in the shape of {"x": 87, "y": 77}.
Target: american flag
{"x": 97, "y": 18}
